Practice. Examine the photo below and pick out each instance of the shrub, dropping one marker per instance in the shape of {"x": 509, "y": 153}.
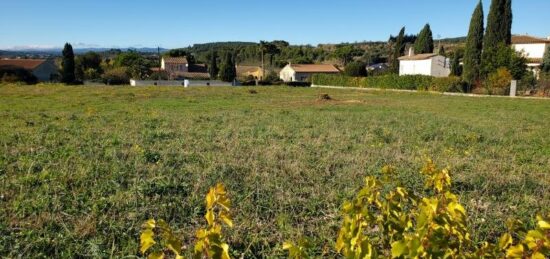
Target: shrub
{"x": 116, "y": 76}
{"x": 378, "y": 222}
{"x": 498, "y": 82}
{"x": 392, "y": 81}
{"x": 9, "y": 74}
{"x": 355, "y": 69}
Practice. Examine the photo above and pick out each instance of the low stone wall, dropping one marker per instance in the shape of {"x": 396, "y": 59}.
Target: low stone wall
{"x": 183, "y": 83}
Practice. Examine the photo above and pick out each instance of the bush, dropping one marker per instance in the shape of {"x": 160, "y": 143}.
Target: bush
{"x": 393, "y": 81}
{"x": 9, "y": 74}
{"x": 498, "y": 82}
{"x": 116, "y": 76}
{"x": 384, "y": 220}
{"x": 355, "y": 69}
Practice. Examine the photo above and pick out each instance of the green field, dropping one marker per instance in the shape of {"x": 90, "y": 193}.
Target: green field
{"x": 81, "y": 168}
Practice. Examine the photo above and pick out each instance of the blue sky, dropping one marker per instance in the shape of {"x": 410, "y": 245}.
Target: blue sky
{"x": 179, "y": 23}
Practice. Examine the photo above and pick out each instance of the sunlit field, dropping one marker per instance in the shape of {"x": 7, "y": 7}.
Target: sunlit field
{"x": 81, "y": 168}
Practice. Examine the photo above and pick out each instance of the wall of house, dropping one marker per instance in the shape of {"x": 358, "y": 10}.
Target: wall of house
{"x": 532, "y": 50}
{"x": 46, "y": 71}
{"x": 441, "y": 66}
{"x": 287, "y": 74}
{"x": 415, "y": 67}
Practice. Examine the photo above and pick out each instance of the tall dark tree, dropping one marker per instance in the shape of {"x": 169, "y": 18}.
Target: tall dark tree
{"x": 441, "y": 51}
{"x": 456, "y": 70}
{"x": 228, "y": 71}
{"x": 508, "y": 19}
{"x": 398, "y": 50}
{"x": 68, "y": 65}
{"x": 425, "y": 41}
{"x": 213, "y": 69}
{"x": 546, "y": 61}
{"x": 474, "y": 47}
{"x": 497, "y": 35}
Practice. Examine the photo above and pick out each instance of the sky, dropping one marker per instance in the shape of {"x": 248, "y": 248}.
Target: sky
{"x": 180, "y": 23}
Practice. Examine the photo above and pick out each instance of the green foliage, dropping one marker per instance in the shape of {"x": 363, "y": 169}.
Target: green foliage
{"x": 16, "y": 75}
{"x": 228, "y": 71}
{"x": 213, "y": 69}
{"x": 518, "y": 65}
{"x": 498, "y": 82}
{"x": 157, "y": 239}
{"x": 356, "y": 69}
{"x": 474, "y": 47}
{"x": 456, "y": 69}
{"x": 392, "y": 81}
{"x": 116, "y": 76}
{"x": 88, "y": 66}
{"x": 508, "y": 21}
{"x": 545, "y": 67}
{"x": 68, "y": 65}
{"x": 175, "y": 53}
{"x": 136, "y": 65}
{"x": 424, "y": 42}
{"x": 398, "y": 50}
{"x": 497, "y": 37}
{"x": 346, "y": 53}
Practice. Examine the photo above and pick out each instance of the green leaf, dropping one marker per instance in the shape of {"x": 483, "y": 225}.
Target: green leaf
{"x": 398, "y": 249}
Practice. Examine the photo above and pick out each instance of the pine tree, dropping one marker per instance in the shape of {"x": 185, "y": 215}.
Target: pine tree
{"x": 474, "y": 46}
{"x": 68, "y": 65}
{"x": 213, "y": 69}
{"x": 425, "y": 42}
{"x": 397, "y": 51}
{"x": 228, "y": 72}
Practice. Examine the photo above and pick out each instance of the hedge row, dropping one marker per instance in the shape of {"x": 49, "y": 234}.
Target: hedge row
{"x": 412, "y": 82}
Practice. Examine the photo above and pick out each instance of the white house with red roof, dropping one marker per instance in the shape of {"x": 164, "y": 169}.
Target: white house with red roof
{"x": 303, "y": 72}
{"x": 428, "y": 64}
{"x": 532, "y": 48}
{"x": 43, "y": 69}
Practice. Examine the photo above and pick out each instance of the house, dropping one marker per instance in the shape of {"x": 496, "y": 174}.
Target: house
{"x": 250, "y": 71}
{"x": 429, "y": 64}
{"x": 303, "y": 72}
{"x": 179, "y": 68}
{"x": 43, "y": 69}
{"x": 532, "y": 48}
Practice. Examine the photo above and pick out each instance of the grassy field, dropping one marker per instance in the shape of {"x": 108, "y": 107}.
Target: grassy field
{"x": 81, "y": 168}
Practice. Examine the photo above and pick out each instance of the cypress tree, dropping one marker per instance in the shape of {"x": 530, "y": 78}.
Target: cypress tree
{"x": 425, "y": 42}
{"x": 213, "y": 69}
{"x": 474, "y": 46}
{"x": 546, "y": 61}
{"x": 455, "y": 65}
{"x": 508, "y": 19}
{"x": 441, "y": 51}
{"x": 228, "y": 72}
{"x": 68, "y": 65}
{"x": 397, "y": 51}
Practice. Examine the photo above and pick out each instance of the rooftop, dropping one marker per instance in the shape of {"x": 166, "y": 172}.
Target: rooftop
{"x": 526, "y": 39}
{"x": 314, "y": 68}
{"x": 419, "y": 56}
{"x": 29, "y": 64}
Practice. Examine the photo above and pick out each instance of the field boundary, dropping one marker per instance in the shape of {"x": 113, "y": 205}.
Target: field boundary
{"x": 430, "y": 92}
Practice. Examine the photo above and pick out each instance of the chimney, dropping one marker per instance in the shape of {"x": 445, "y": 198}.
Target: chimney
{"x": 411, "y": 52}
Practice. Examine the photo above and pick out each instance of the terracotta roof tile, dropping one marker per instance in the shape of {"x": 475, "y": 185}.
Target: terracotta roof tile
{"x": 419, "y": 56}
{"x": 316, "y": 68}
{"x": 248, "y": 69}
{"x": 526, "y": 39}
{"x": 29, "y": 64}
{"x": 178, "y": 60}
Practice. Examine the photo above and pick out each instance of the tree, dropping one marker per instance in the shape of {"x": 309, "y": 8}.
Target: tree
{"x": 345, "y": 53}
{"x": 474, "y": 47}
{"x": 498, "y": 33}
{"x": 425, "y": 42}
{"x": 137, "y": 66}
{"x": 508, "y": 19}
{"x": 518, "y": 65}
{"x": 88, "y": 65}
{"x": 213, "y": 69}
{"x": 441, "y": 51}
{"x": 356, "y": 69}
{"x": 68, "y": 65}
{"x": 397, "y": 50}
{"x": 228, "y": 72}
{"x": 546, "y": 61}
{"x": 176, "y": 53}
{"x": 456, "y": 70}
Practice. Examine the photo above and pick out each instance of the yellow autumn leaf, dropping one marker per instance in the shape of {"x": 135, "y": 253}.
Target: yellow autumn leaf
{"x": 543, "y": 224}
{"x": 149, "y": 224}
{"x": 210, "y": 217}
{"x": 146, "y": 240}
{"x": 226, "y": 219}
{"x": 287, "y": 245}
{"x": 398, "y": 249}
{"x": 505, "y": 241}
{"x": 515, "y": 252}
{"x": 225, "y": 254}
{"x": 156, "y": 255}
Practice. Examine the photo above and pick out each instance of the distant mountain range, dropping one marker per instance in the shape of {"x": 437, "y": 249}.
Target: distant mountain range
{"x": 57, "y": 51}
